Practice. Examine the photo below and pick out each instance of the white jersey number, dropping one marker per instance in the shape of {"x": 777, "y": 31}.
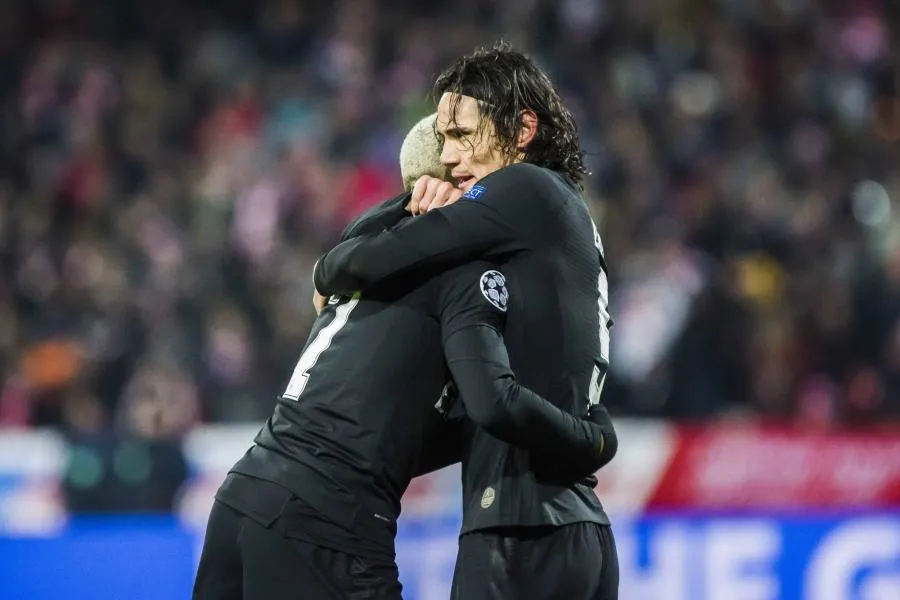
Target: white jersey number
{"x": 599, "y": 375}
{"x": 319, "y": 345}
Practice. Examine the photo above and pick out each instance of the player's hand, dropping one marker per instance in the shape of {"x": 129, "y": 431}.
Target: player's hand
{"x": 319, "y": 301}
{"x": 430, "y": 192}
{"x": 598, "y": 416}
{"x": 584, "y": 469}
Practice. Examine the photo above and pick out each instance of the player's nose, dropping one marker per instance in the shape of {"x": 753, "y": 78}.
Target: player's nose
{"x": 449, "y": 156}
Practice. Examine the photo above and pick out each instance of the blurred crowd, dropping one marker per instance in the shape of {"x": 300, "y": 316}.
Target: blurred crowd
{"x": 171, "y": 169}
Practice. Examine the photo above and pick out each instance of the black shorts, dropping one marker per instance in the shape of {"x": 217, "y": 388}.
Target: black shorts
{"x": 264, "y": 554}
{"x": 572, "y": 562}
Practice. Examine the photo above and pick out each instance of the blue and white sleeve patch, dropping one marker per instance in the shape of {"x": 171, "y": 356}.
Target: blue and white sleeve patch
{"x": 474, "y": 192}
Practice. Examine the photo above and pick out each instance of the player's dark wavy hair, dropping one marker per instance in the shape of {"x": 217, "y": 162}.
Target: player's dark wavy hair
{"x": 506, "y": 82}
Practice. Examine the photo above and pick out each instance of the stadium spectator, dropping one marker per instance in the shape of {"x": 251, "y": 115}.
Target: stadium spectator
{"x": 159, "y": 158}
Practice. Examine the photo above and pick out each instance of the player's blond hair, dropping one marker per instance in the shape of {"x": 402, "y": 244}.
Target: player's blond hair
{"x": 420, "y": 153}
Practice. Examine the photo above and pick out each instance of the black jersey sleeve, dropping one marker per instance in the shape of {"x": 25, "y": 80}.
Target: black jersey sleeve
{"x": 506, "y": 211}
{"x": 444, "y": 446}
{"x": 378, "y": 218}
{"x": 474, "y": 301}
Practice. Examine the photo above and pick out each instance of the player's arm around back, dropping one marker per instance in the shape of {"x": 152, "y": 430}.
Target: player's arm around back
{"x": 474, "y": 306}
{"x": 378, "y": 218}
{"x": 444, "y": 445}
{"x": 510, "y": 210}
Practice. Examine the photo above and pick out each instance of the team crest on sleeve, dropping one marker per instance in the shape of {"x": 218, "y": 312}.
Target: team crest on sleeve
{"x": 493, "y": 287}
{"x": 474, "y": 192}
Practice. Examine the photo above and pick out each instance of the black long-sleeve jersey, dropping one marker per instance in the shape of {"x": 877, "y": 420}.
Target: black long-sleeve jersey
{"x": 357, "y": 419}
{"x": 557, "y": 331}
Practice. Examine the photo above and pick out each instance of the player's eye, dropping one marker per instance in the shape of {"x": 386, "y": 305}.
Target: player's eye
{"x": 458, "y": 134}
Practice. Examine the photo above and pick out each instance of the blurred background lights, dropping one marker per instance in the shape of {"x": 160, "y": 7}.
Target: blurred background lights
{"x": 871, "y": 204}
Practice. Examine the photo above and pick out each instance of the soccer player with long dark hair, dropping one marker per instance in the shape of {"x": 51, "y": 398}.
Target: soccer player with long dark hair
{"x": 513, "y": 150}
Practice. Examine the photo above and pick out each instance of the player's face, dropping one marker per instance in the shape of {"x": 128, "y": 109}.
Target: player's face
{"x": 470, "y": 149}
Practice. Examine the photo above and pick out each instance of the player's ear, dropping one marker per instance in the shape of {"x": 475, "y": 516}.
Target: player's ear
{"x": 528, "y": 124}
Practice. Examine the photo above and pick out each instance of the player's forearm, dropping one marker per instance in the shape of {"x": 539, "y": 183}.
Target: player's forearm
{"x": 358, "y": 263}
{"x": 378, "y": 218}
{"x": 496, "y": 402}
{"x": 516, "y": 415}
{"x": 440, "y": 238}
